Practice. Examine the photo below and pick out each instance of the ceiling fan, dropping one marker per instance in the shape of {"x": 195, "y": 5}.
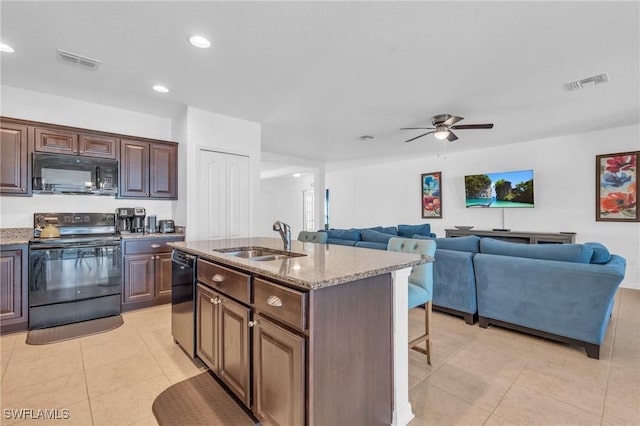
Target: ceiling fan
{"x": 444, "y": 123}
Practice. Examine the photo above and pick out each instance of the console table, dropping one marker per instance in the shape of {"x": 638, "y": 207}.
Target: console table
{"x": 516, "y": 236}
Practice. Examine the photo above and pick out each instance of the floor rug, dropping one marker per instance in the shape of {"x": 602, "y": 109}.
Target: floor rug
{"x": 200, "y": 400}
{"x": 72, "y": 331}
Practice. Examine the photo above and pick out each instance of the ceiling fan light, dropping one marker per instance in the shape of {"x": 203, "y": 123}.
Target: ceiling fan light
{"x": 441, "y": 132}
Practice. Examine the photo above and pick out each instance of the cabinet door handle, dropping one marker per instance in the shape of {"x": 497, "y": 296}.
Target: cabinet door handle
{"x": 153, "y": 257}
{"x": 216, "y": 301}
{"x": 253, "y": 323}
{"x": 155, "y": 245}
{"x": 218, "y": 278}
{"x": 274, "y": 301}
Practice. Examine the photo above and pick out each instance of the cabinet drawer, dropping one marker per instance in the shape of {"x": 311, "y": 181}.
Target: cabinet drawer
{"x": 157, "y": 245}
{"x": 233, "y": 283}
{"x": 281, "y": 303}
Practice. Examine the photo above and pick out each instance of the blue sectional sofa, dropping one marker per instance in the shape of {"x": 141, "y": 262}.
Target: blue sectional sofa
{"x": 376, "y": 237}
{"x": 559, "y": 291}
{"x": 563, "y": 292}
{"x": 454, "y": 279}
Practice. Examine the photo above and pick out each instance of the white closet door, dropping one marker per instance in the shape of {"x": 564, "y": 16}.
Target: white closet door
{"x": 237, "y": 192}
{"x": 223, "y": 195}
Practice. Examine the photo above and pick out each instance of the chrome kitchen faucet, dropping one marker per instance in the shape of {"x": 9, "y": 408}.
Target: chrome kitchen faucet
{"x": 285, "y": 233}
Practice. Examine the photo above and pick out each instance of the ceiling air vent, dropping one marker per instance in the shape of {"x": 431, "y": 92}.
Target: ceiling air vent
{"x": 596, "y": 79}
{"x": 80, "y": 60}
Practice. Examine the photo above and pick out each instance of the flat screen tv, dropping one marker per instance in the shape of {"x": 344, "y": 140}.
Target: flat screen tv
{"x": 500, "y": 190}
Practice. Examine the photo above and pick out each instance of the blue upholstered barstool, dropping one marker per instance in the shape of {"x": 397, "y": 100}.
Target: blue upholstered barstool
{"x": 420, "y": 284}
{"x": 313, "y": 237}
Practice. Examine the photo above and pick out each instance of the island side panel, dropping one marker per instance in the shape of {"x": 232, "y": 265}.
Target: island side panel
{"x": 350, "y": 368}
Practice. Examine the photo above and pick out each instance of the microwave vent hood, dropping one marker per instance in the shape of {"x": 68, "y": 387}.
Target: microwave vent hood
{"x": 72, "y": 174}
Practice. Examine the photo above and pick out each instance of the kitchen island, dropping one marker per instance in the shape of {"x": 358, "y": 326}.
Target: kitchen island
{"x": 316, "y": 336}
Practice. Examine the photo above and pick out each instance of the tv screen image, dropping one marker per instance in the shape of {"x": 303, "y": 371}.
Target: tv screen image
{"x": 500, "y": 190}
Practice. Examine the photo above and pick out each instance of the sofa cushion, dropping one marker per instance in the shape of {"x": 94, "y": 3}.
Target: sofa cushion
{"x": 577, "y": 253}
{"x": 371, "y": 245}
{"x": 375, "y": 236}
{"x": 470, "y": 243}
{"x": 345, "y": 234}
{"x": 601, "y": 254}
{"x": 341, "y": 242}
{"x": 410, "y": 230}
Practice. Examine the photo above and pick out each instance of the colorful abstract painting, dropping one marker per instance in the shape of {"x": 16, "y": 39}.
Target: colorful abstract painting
{"x": 431, "y": 195}
{"x": 617, "y": 187}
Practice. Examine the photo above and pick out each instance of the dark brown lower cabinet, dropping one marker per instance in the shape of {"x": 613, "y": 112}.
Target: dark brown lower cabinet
{"x": 317, "y": 357}
{"x": 146, "y": 273}
{"x": 13, "y": 288}
{"x": 278, "y": 374}
{"x": 222, "y": 330}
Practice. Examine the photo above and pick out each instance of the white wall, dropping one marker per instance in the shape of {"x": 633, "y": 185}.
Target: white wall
{"x": 564, "y": 168}
{"x": 37, "y": 106}
{"x": 219, "y": 133}
{"x": 281, "y": 199}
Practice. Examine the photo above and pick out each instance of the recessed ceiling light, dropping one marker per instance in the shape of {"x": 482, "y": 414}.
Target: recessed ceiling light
{"x": 199, "y": 41}
{"x": 160, "y": 89}
{"x": 296, "y": 175}
{"x": 5, "y": 48}
{"x": 365, "y": 137}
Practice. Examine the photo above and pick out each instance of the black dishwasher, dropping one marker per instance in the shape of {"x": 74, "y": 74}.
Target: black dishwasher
{"x": 182, "y": 300}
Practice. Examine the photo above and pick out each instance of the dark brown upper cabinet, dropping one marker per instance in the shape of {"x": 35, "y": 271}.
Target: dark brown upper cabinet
{"x": 148, "y": 169}
{"x": 63, "y": 142}
{"x": 14, "y": 159}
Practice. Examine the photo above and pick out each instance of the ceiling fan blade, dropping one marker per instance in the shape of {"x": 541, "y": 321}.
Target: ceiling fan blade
{"x": 451, "y": 136}
{"x": 413, "y": 139}
{"x": 418, "y": 128}
{"x": 473, "y": 126}
{"x": 452, "y": 120}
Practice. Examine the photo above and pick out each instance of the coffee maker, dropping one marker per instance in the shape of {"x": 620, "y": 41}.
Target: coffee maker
{"x": 130, "y": 219}
{"x": 137, "y": 225}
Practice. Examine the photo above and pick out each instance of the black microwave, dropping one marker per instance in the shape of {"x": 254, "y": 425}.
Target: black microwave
{"x": 72, "y": 174}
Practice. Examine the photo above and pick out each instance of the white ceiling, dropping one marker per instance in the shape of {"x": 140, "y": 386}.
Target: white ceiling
{"x": 317, "y": 75}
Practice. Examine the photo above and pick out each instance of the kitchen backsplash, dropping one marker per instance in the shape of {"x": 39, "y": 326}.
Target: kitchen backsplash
{"x": 18, "y": 212}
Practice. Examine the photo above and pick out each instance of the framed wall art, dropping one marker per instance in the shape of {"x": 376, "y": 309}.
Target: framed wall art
{"x": 617, "y": 187}
{"x": 431, "y": 199}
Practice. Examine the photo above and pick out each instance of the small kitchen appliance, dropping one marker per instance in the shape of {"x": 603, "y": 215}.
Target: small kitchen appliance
{"x": 152, "y": 226}
{"x": 166, "y": 226}
{"x": 137, "y": 225}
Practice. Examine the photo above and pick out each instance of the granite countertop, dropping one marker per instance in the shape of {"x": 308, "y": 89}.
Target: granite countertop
{"x": 11, "y": 236}
{"x": 138, "y": 235}
{"x": 323, "y": 265}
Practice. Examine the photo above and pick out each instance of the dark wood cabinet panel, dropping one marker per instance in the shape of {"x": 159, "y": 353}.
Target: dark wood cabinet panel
{"x": 207, "y": 326}
{"x": 138, "y": 278}
{"x": 163, "y": 275}
{"x": 222, "y": 339}
{"x": 147, "y": 272}
{"x": 13, "y": 288}
{"x": 279, "y": 379}
{"x": 56, "y": 141}
{"x": 10, "y": 279}
{"x": 164, "y": 169}
{"x": 97, "y": 146}
{"x": 148, "y": 170}
{"x": 134, "y": 168}
{"x": 14, "y": 160}
{"x": 233, "y": 356}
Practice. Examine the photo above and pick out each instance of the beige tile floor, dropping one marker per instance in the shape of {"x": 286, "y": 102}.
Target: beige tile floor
{"x": 478, "y": 377}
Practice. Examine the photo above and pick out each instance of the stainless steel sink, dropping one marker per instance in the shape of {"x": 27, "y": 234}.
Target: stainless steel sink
{"x": 270, "y": 257}
{"x": 259, "y": 254}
